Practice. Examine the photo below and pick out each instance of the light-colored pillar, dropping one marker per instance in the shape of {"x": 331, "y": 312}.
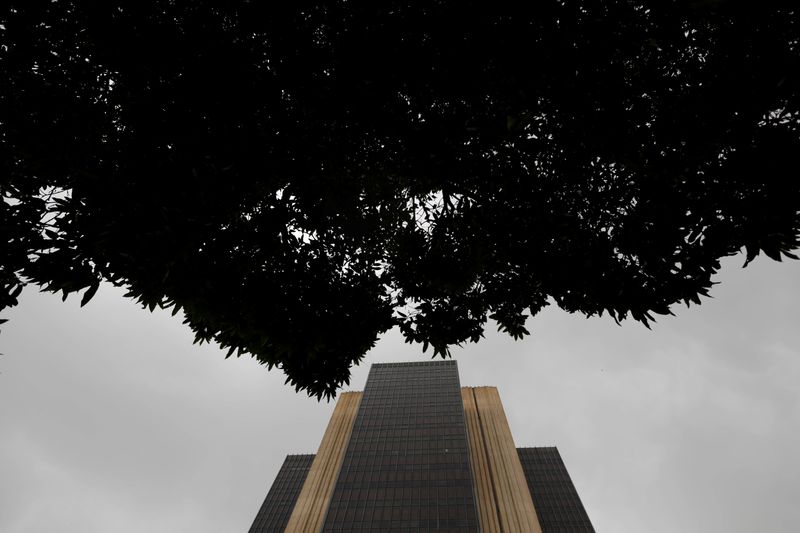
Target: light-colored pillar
{"x": 315, "y": 496}
{"x": 504, "y": 501}
{"x": 484, "y": 489}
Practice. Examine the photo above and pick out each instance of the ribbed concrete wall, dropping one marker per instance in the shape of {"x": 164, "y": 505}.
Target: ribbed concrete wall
{"x": 484, "y": 488}
{"x": 504, "y": 501}
{"x": 312, "y": 503}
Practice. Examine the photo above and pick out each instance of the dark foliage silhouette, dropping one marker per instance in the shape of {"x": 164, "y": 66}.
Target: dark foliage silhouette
{"x": 298, "y": 178}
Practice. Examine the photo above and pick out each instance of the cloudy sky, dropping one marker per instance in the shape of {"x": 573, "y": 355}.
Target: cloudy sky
{"x": 112, "y": 421}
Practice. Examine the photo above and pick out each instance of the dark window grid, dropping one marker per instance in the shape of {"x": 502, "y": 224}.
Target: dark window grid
{"x": 421, "y": 462}
{"x": 373, "y": 421}
{"x": 416, "y": 432}
{"x": 421, "y": 438}
{"x": 280, "y": 500}
{"x": 424, "y": 459}
{"x": 396, "y": 422}
{"x": 416, "y": 441}
{"x": 389, "y": 412}
{"x": 420, "y": 427}
{"x": 558, "y": 505}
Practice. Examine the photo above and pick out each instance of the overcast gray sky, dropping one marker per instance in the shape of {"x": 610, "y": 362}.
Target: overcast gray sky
{"x": 112, "y": 421}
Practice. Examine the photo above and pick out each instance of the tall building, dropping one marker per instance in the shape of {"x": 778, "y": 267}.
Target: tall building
{"x": 417, "y": 452}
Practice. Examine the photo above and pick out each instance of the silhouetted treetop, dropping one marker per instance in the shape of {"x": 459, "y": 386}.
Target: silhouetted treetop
{"x": 298, "y": 178}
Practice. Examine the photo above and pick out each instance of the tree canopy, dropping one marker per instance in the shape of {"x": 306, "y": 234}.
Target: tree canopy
{"x": 299, "y": 177}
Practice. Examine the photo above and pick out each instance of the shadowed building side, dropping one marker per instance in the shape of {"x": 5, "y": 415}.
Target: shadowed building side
{"x": 282, "y": 496}
{"x": 556, "y": 500}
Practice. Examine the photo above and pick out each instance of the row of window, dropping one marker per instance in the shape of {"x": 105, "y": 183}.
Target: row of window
{"x": 371, "y": 513}
{"x": 407, "y": 478}
{"x": 279, "y": 503}
{"x": 419, "y": 459}
{"x": 447, "y": 435}
{"x": 423, "y": 495}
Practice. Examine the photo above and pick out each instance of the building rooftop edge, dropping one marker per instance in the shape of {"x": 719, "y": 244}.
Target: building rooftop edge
{"x": 448, "y": 362}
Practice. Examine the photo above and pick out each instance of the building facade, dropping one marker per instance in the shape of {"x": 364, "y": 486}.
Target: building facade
{"x": 417, "y": 452}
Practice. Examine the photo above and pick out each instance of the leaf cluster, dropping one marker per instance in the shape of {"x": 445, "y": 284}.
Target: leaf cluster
{"x": 298, "y": 178}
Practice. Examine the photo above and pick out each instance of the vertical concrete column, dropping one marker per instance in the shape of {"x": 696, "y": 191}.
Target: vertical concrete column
{"x": 484, "y": 489}
{"x": 496, "y": 457}
{"x": 312, "y": 503}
